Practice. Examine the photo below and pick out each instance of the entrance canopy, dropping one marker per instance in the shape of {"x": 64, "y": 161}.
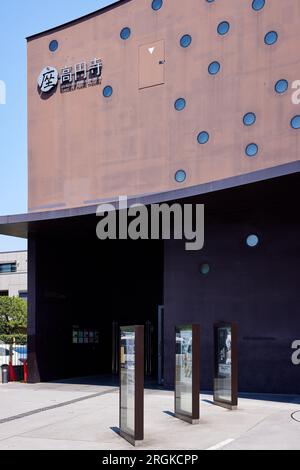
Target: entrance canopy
{"x": 21, "y": 225}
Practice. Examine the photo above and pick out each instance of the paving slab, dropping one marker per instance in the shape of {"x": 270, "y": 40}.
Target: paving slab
{"x": 90, "y": 424}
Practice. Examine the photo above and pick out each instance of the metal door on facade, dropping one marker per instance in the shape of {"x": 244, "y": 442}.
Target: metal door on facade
{"x": 152, "y": 64}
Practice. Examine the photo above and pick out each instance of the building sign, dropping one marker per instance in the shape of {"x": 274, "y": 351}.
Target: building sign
{"x": 48, "y": 79}
{"x": 81, "y": 75}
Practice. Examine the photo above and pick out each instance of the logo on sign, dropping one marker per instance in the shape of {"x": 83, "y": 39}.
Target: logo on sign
{"x": 48, "y": 79}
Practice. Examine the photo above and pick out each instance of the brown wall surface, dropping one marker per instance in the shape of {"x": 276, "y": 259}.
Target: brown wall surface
{"x": 84, "y": 147}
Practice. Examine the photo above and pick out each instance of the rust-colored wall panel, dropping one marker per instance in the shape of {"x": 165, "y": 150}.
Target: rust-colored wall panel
{"x": 84, "y": 147}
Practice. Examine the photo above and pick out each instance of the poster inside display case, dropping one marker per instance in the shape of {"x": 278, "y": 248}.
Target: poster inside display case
{"x": 225, "y": 380}
{"x": 187, "y": 374}
{"x": 81, "y": 336}
{"x": 132, "y": 383}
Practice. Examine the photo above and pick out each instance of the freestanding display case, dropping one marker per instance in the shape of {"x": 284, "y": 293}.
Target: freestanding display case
{"x": 226, "y": 365}
{"x": 132, "y": 383}
{"x": 187, "y": 373}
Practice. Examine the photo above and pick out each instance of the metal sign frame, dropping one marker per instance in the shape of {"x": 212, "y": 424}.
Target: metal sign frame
{"x": 232, "y": 403}
{"x": 192, "y": 417}
{"x": 138, "y": 388}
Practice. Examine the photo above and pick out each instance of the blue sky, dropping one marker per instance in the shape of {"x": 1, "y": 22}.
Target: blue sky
{"x": 19, "y": 19}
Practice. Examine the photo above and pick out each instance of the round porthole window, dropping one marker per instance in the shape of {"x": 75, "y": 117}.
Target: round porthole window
{"x": 249, "y": 119}
{"x": 258, "y": 4}
{"x": 53, "y": 46}
{"x": 180, "y": 176}
{"x": 180, "y": 104}
{"x": 223, "y": 28}
{"x": 125, "y": 33}
{"x": 281, "y": 86}
{"x": 107, "y": 92}
{"x": 214, "y": 68}
{"x": 205, "y": 269}
{"x": 252, "y": 240}
{"x": 186, "y": 41}
{"x": 252, "y": 150}
{"x": 295, "y": 122}
{"x": 271, "y": 38}
{"x": 157, "y": 4}
{"x": 203, "y": 137}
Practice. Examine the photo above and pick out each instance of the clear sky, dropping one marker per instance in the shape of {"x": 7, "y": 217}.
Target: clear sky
{"x": 19, "y": 19}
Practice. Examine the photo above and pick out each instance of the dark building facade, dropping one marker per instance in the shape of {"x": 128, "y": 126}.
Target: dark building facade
{"x": 165, "y": 101}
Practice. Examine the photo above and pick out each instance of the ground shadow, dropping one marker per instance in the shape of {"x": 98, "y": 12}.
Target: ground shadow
{"x": 116, "y": 430}
{"x": 106, "y": 380}
{"x": 210, "y": 402}
{"x": 170, "y": 413}
{"x": 292, "y": 399}
{"x": 276, "y": 398}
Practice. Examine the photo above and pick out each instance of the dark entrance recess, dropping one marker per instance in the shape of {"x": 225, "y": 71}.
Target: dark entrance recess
{"x": 89, "y": 288}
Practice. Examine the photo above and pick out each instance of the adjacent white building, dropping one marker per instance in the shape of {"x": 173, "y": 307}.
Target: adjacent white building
{"x": 13, "y": 274}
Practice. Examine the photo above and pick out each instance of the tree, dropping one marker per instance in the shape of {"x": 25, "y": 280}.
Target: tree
{"x": 13, "y": 316}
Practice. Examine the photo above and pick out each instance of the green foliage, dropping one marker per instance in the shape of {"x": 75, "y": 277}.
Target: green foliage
{"x": 13, "y": 316}
{"x": 9, "y": 339}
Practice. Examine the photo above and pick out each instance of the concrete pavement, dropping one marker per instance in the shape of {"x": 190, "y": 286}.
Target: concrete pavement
{"x": 84, "y": 417}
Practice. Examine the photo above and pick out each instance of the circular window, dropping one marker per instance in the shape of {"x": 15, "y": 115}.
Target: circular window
{"x": 281, "y": 86}
{"x": 258, "y": 4}
{"x": 271, "y": 38}
{"x": 295, "y": 122}
{"x": 214, "y": 68}
{"x": 157, "y": 4}
{"x": 125, "y": 33}
{"x": 107, "y": 92}
{"x": 252, "y": 240}
{"x": 252, "y": 150}
{"x": 180, "y": 176}
{"x": 223, "y": 28}
{"x": 249, "y": 119}
{"x": 180, "y": 104}
{"x": 203, "y": 137}
{"x": 186, "y": 41}
{"x": 205, "y": 269}
{"x": 53, "y": 46}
